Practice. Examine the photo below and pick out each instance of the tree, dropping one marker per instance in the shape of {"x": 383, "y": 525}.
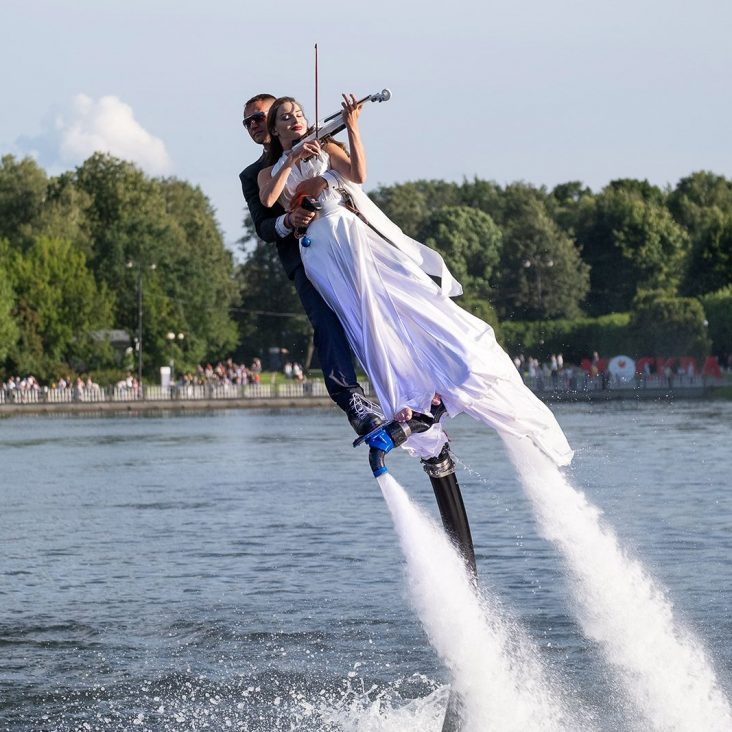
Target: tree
{"x": 270, "y": 314}
{"x": 565, "y": 203}
{"x": 718, "y": 311}
{"x": 58, "y": 306}
{"x": 470, "y": 243}
{"x": 23, "y": 187}
{"x": 665, "y": 325}
{"x": 631, "y": 243}
{"x": 201, "y": 287}
{"x": 409, "y": 204}
{"x": 702, "y": 204}
{"x": 542, "y": 274}
{"x": 484, "y": 195}
{"x": 65, "y": 214}
{"x": 137, "y": 223}
{"x": 8, "y": 326}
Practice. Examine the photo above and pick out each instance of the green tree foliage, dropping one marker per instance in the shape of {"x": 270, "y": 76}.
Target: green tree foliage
{"x": 565, "y": 203}
{"x": 469, "y": 241}
{"x": 542, "y": 274}
{"x": 631, "y": 242}
{"x": 201, "y": 285}
{"x": 718, "y": 311}
{"x": 115, "y": 230}
{"x": 58, "y": 307}
{"x": 521, "y": 252}
{"x": 23, "y": 190}
{"x": 270, "y": 314}
{"x": 702, "y": 204}
{"x": 485, "y": 195}
{"x": 665, "y": 325}
{"x": 8, "y": 326}
{"x": 575, "y": 339}
{"x": 409, "y": 204}
{"x": 65, "y": 214}
{"x": 165, "y": 230}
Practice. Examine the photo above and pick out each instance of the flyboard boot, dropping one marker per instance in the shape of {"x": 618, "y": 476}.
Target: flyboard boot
{"x": 441, "y": 472}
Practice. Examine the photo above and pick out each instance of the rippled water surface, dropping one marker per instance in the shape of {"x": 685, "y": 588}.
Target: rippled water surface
{"x": 239, "y": 569}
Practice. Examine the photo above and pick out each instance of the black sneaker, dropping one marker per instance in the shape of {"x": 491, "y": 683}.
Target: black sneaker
{"x": 363, "y": 415}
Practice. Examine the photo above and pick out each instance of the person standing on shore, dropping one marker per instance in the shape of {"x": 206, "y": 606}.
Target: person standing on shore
{"x": 273, "y": 225}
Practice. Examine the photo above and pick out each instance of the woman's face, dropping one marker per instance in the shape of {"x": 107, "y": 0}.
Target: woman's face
{"x": 290, "y": 123}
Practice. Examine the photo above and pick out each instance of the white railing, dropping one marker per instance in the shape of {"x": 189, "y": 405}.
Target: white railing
{"x": 60, "y": 396}
{"x": 197, "y": 392}
{"x": 261, "y": 391}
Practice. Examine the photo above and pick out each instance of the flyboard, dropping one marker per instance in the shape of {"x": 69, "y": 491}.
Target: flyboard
{"x": 441, "y": 472}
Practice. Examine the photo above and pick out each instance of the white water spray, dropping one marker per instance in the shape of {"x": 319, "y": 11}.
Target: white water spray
{"x": 499, "y": 679}
{"x": 663, "y": 667}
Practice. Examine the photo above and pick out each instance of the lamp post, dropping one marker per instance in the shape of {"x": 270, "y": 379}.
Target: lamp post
{"x": 171, "y": 337}
{"x": 537, "y": 264}
{"x": 140, "y": 268}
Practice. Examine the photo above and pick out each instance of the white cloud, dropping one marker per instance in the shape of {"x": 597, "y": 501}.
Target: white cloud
{"x": 105, "y": 125}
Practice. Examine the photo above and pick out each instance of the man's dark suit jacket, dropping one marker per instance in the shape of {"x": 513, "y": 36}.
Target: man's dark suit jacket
{"x": 264, "y": 219}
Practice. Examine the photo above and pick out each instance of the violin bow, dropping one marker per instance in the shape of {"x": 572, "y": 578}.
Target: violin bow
{"x": 317, "y": 135}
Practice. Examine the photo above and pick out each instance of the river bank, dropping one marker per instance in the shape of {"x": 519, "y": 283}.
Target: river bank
{"x": 298, "y": 396}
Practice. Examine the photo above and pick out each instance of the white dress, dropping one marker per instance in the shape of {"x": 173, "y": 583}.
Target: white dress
{"x": 412, "y": 340}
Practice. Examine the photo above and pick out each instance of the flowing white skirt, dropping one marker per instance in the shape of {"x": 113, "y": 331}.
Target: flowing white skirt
{"x": 413, "y": 341}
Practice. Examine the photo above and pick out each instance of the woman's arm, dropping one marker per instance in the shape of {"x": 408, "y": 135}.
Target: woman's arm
{"x": 265, "y": 182}
{"x": 271, "y": 187}
{"x": 264, "y": 219}
{"x": 353, "y": 168}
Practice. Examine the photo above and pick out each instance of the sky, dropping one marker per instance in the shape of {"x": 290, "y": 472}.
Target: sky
{"x": 539, "y": 91}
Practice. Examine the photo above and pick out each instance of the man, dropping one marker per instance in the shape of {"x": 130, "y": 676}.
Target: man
{"x": 275, "y": 225}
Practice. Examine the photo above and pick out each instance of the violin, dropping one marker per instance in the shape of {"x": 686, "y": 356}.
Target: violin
{"x": 334, "y": 124}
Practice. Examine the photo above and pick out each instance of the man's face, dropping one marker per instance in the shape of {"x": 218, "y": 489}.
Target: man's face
{"x": 255, "y": 118}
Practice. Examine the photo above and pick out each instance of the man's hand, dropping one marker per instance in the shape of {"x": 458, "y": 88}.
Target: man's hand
{"x": 300, "y": 218}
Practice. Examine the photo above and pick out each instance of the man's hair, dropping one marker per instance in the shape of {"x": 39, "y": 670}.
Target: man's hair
{"x": 260, "y": 98}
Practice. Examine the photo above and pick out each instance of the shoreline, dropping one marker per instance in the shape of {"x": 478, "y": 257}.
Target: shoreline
{"x": 9, "y": 409}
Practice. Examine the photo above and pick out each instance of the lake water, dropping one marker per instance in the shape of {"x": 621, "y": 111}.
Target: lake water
{"x": 240, "y": 570}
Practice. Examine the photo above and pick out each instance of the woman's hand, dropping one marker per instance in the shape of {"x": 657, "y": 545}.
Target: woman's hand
{"x": 351, "y": 111}
{"x": 308, "y": 150}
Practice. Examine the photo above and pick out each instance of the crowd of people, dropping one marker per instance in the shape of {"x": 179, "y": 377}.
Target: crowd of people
{"x": 227, "y": 372}
{"x": 552, "y": 372}
{"x": 28, "y": 388}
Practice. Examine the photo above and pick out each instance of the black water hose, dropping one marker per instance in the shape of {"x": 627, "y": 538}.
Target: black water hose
{"x": 441, "y": 472}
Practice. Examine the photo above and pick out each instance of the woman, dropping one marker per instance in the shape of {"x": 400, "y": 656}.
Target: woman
{"x": 412, "y": 340}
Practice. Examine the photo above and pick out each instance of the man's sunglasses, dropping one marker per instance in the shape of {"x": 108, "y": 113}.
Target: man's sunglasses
{"x": 256, "y": 117}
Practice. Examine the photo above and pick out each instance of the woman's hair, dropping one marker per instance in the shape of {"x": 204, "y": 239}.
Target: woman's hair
{"x": 275, "y": 146}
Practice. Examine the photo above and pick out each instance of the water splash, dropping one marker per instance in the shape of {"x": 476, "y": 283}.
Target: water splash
{"x": 266, "y": 702}
{"x": 495, "y": 670}
{"x": 664, "y": 669}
